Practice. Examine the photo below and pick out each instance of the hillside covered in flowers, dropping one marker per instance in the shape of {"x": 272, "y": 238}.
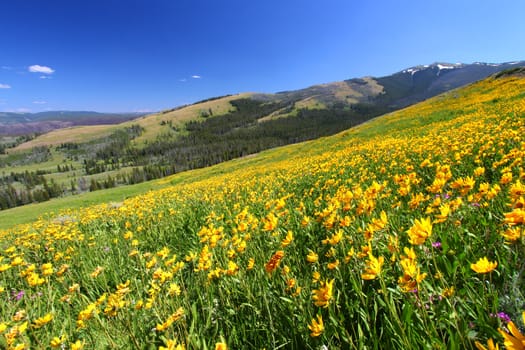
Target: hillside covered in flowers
{"x": 406, "y": 232}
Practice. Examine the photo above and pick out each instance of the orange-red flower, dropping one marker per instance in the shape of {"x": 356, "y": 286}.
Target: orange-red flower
{"x": 274, "y": 261}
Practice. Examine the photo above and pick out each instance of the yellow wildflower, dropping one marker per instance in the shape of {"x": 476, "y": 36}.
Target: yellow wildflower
{"x": 171, "y": 345}
{"x": 349, "y": 255}
{"x": 490, "y": 345}
{"x": 35, "y": 280}
{"x": 98, "y": 270}
{"x": 323, "y": 295}
{"x": 232, "y": 268}
{"x": 316, "y": 327}
{"x": 420, "y": 231}
{"x": 78, "y": 345}
{"x": 517, "y": 189}
{"x": 57, "y": 342}
{"x": 270, "y": 222}
{"x": 517, "y": 216}
{"x": 289, "y": 238}
{"x": 334, "y": 239}
{"x": 221, "y": 346}
{"x": 312, "y": 257}
{"x": 47, "y": 269}
{"x": 251, "y": 263}
{"x": 316, "y": 275}
{"x": 373, "y": 267}
{"x": 19, "y": 315}
{"x": 479, "y": 171}
{"x": 174, "y": 289}
{"x": 333, "y": 265}
{"x": 17, "y": 261}
{"x": 512, "y": 234}
{"x": 42, "y": 321}
{"x": 62, "y": 270}
{"x": 444, "y": 212}
{"x": 483, "y": 265}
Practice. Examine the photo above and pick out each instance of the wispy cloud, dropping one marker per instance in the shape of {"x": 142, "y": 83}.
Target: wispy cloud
{"x": 7, "y": 67}
{"x": 19, "y": 110}
{"x": 183, "y": 80}
{"x": 44, "y": 77}
{"x": 5, "y": 86}
{"x": 196, "y": 76}
{"x": 41, "y": 69}
{"x": 40, "y": 102}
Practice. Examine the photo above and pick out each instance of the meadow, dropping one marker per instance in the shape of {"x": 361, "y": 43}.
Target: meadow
{"x": 406, "y": 232}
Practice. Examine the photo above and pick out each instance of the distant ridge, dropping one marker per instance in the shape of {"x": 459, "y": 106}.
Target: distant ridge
{"x": 357, "y": 98}
{"x": 12, "y": 123}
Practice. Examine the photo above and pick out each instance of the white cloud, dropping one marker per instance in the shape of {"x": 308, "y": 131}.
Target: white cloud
{"x": 5, "y": 86}
{"x": 40, "y": 102}
{"x": 20, "y": 110}
{"x": 196, "y": 76}
{"x": 41, "y": 69}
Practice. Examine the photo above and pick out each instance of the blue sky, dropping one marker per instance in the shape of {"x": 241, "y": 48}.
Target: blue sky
{"x": 148, "y": 55}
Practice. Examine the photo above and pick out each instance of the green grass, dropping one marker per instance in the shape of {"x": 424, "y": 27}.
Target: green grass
{"x": 363, "y": 240}
{"x": 29, "y": 213}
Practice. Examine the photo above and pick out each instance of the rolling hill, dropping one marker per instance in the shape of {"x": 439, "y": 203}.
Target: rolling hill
{"x": 405, "y": 232}
{"x": 358, "y": 98}
{"x": 89, "y": 158}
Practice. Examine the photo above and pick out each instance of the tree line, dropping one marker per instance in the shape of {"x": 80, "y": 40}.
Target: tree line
{"x": 206, "y": 142}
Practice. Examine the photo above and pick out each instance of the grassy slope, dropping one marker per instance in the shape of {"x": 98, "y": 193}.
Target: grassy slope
{"x": 150, "y": 123}
{"x": 32, "y": 212}
{"x": 78, "y": 134}
{"x": 435, "y": 109}
{"x": 178, "y": 260}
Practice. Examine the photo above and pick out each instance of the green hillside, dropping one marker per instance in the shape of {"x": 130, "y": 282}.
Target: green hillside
{"x": 76, "y": 160}
{"x": 406, "y": 232}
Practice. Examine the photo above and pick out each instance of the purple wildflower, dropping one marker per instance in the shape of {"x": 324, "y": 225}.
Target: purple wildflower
{"x": 18, "y": 295}
{"x": 502, "y": 316}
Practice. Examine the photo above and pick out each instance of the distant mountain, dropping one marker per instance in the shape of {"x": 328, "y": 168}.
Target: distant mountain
{"x": 26, "y": 123}
{"x": 321, "y": 109}
{"x": 397, "y": 90}
{"x": 418, "y": 83}
{"x": 222, "y": 128}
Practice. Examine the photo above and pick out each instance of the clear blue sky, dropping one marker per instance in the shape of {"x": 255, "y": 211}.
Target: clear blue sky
{"x": 134, "y": 55}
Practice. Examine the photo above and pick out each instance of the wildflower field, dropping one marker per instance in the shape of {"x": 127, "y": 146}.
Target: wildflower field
{"x": 404, "y": 233}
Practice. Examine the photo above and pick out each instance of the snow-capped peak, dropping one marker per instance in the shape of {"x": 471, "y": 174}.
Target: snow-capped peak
{"x": 439, "y": 66}
{"x": 447, "y": 66}
{"x": 412, "y": 71}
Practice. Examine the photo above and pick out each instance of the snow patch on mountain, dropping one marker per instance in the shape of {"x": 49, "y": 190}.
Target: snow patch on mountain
{"x": 439, "y": 66}
{"x": 446, "y": 66}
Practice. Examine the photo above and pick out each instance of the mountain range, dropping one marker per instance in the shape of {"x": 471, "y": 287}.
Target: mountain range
{"x": 358, "y": 99}
{"x": 25, "y": 123}
{"x": 397, "y": 90}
